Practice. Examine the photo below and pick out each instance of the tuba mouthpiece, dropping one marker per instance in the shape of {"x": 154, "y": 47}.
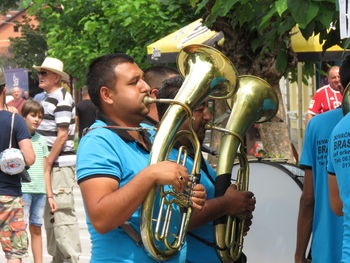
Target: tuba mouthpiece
{"x": 148, "y": 100}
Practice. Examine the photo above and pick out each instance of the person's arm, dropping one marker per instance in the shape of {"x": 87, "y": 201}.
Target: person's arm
{"x": 334, "y": 198}
{"x": 109, "y": 206}
{"x": 48, "y": 186}
{"x": 315, "y": 107}
{"x": 308, "y": 117}
{"x": 305, "y": 218}
{"x": 233, "y": 202}
{"x": 26, "y": 148}
{"x": 62, "y": 137}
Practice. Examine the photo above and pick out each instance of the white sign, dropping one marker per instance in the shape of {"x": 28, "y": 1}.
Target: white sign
{"x": 344, "y": 18}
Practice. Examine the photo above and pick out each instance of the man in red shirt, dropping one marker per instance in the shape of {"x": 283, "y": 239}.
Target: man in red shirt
{"x": 328, "y": 97}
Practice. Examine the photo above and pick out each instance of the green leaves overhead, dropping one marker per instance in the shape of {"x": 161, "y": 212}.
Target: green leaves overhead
{"x": 78, "y": 31}
{"x": 303, "y": 11}
{"x": 221, "y": 8}
{"x": 281, "y": 6}
{"x": 267, "y": 25}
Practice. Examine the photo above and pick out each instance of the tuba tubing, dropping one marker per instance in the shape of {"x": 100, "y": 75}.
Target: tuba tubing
{"x": 207, "y": 73}
{"x": 254, "y": 101}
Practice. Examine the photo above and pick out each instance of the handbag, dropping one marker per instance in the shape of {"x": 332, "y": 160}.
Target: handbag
{"x": 11, "y": 159}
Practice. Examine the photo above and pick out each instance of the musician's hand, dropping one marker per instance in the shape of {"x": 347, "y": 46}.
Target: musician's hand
{"x": 169, "y": 173}
{"x": 238, "y": 202}
{"x": 198, "y": 196}
{"x": 247, "y": 223}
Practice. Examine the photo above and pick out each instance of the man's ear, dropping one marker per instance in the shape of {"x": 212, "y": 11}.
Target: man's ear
{"x": 154, "y": 93}
{"x": 105, "y": 95}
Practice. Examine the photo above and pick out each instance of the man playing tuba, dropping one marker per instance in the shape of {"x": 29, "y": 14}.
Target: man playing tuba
{"x": 201, "y": 245}
{"x": 112, "y": 163}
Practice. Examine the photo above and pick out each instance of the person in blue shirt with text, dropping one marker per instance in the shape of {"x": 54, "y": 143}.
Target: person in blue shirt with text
{"x": 338, "y": 165}
{"x": 315, "y": 213}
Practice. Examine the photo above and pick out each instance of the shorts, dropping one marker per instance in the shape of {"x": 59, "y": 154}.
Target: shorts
{"x": 13, "y": 236}
{"x": 34, "y": 205}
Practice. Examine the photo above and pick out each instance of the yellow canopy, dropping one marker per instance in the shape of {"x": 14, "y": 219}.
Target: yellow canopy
{"x": 311, "y": 49}
{"x": 165, "y": 50}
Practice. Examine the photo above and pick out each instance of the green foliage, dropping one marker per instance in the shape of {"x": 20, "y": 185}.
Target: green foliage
{"x": 266, "y": 25}
{"x": 30, "y": 48}
{"x": 78, "y": 31}
{"x": 5, "y": 5}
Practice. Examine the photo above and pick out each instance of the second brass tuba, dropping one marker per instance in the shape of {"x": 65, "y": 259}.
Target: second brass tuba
{"x": 254, "y": 101}
{"x": 207, "y": 73}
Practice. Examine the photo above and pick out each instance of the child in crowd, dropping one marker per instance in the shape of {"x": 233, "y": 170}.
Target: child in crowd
{"x": 36, "y": 191}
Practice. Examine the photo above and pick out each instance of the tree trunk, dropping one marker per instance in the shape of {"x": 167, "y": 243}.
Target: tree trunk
{"x": 275, "y": 134}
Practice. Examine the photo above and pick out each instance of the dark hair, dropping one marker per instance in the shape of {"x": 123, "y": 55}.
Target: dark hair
{"x": 2, "y": 87}
{"x": 168, "y": 90}
{"x": 101, "y": 72}
{"x": 32, "y": 106}
{"x": 344, "y": 71}
{"x": 154, "y": 76}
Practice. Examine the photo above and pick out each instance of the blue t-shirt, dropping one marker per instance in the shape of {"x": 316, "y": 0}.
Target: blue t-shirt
{"x": 327, "y": 228}
{"x": 339, "y": 163}
{"x": 11, "y": 184}
{"x": 103, "y": 152}
{"x": 197, "y": 251}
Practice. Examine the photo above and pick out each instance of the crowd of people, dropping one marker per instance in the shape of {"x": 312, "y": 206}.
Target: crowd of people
{"x": 111, "y": 167}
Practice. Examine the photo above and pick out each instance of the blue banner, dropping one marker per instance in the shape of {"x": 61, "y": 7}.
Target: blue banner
{"x": 17, "y": 77}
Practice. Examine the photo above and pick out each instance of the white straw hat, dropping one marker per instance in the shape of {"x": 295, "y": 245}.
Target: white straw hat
{"x": 55, "y": 65}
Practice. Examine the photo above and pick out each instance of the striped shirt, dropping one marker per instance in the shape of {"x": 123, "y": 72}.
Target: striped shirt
{"x": 59, "y": 111}
{"x": 36, "y": 171}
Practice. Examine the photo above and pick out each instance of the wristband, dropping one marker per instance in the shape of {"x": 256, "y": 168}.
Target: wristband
{"x": 49, "y": 197}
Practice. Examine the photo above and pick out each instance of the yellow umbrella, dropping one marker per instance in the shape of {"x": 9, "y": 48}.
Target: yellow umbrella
{"x": 165, "y": 50}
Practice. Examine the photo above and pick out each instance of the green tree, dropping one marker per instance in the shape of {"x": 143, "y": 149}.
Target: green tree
{"x": 5, "y": 5}
{"x": 29, "y": 49}
{"x": 79, "y": 30}
{"x": 257, "y": 41}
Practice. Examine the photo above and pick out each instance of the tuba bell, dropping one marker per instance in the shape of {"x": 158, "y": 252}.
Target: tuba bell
{"x": 208, "y": 73}
{"x": 254, "y": 101}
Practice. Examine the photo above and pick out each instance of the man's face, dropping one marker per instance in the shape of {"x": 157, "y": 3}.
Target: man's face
{"x": 47, "y": 79}
{"x": 16, "y": 93}
{"x": 201, "y": 117}
{"x": 334, "y": 78}
{"x": 128, "y": 93}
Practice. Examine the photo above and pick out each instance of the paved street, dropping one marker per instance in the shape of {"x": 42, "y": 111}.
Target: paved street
{"x": 84, "y": 235}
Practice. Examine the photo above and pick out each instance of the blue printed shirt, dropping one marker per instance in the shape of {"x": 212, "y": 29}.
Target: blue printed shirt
{"x": 327, "y": 228}
{"x": 339, "y": 163}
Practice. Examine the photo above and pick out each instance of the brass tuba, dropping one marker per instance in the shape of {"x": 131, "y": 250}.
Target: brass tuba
{"x": 207, "y": 73}
{"x": 254, "y": 101}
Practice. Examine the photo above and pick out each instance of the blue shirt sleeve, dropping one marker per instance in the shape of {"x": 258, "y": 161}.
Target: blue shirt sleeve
{"x": 307, "y": 158}
{"x": 98, "y": 156}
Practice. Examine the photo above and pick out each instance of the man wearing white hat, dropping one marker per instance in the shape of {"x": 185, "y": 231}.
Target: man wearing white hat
{"x": 62, "y": 228}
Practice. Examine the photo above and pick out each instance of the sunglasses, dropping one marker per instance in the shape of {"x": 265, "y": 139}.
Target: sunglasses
{"x": 42, "y": 73}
